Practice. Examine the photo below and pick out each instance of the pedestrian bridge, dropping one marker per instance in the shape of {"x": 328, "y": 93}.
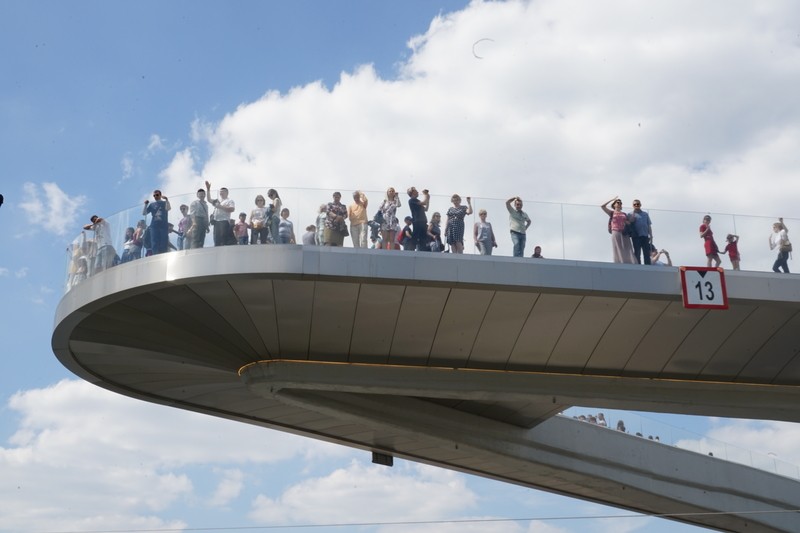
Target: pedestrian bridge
{"x": 458, "y": 361}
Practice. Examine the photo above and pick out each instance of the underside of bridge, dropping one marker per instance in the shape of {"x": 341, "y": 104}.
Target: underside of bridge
{"x": 460, "y": 362}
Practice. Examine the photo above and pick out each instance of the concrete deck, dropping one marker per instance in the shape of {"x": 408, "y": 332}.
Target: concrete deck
{"x": 407, "y": 354}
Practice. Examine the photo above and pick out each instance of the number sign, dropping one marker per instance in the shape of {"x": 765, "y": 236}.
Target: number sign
{"x": 703, "y": 288}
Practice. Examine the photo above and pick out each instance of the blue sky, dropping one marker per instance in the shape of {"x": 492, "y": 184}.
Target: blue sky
{"x": 690, "y": 107}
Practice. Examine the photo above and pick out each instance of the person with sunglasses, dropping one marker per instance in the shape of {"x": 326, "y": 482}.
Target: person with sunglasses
{"x": 641, "y": 230}
{"x": 159, "y": 223}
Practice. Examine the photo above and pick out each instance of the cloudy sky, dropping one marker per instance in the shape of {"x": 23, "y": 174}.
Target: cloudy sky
{"x": 690, "y": 106}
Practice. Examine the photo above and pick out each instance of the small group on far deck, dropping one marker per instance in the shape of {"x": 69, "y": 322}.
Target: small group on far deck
{"x": 632, "y": 239}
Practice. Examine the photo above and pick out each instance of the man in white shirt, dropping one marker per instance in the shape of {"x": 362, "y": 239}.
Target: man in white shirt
{"x": 221, "y": 217}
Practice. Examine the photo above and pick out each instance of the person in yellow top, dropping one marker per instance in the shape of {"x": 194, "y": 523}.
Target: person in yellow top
{"x": 357, "y": 214}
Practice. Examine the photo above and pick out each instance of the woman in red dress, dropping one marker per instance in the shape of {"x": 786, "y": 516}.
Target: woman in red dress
{"x": 712, "y": 251}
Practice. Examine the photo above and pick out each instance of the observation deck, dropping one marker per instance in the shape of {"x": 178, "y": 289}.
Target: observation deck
{"x": 458, "y": 361}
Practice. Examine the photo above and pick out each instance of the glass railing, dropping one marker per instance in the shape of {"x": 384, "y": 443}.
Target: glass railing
{"x": 640, "y": 426}
{"x": 564, "y": 231}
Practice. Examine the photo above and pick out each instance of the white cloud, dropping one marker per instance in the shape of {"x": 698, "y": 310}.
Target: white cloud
{"x": 134, "y": 459}
{"x": 181, "y": 170}
{"x": 127, "y": 166}
{"x": 48, "y": 198}
{"x": 156, "y": 143}
{"x": 4, "y": 271}
{"x": 371, "y": 493}
{"x": 768, "y": 445}
{"x": 21, "y": 272}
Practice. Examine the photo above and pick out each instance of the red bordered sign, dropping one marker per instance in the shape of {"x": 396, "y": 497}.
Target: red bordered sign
{"x": 703, "y": 288}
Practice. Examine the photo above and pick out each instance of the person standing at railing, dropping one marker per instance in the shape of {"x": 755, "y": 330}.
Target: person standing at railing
{"x": 732, "y": 249}
{"x": 388, "y": 212}
{"x": 357, "y": 214}
{"x": 104, "y": 250}
{"x": 780, "y": 240}
{"x": 483, "y": 234}
{"x": 335, "y": 225}
{"x": 621, "y": 248}
{"x": 259, "y": 224}
{"x": 710, "y": 245}
{"x": 183, "y": 225}
{"x": 641, "y": 233}
{"x": 454, "y": 228}
{"x": 322, "y": 215}
{"x": 518, "y": 223}
{"x": 274, "y": 215}
{"x": 419, "y": 220}
{"x": 240, "y": 229}
{"x": 221, "y": 217}
{"x": 198, "y": 211}
{"x": 159, "y": 222}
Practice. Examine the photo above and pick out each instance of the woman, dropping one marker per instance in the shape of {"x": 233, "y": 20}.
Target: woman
{"x": 389, "y": 210}
{"x": 138, "y": 239}
{"x": 435, "y": 233}
{"x": 780, "y": 240}
{"x": 454, "y": 229}
{"x": 273, "y": 215}
{"x": 321, "y": 216}
{"x": 621, "y": 246}
{"x": 711, "y": 248}
{"x": 335, "y": 225}
{"x": 130, "y": 250}
{"x": 259, "y": 232}
{"x": 484, "y": 235}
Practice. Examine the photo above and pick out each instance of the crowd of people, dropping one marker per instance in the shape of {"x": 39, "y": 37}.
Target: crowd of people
{"x": 268, "y": 222}
{"x": 600, "y": 420}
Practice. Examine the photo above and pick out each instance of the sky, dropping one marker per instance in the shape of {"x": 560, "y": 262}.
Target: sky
{"x": 689, "y": 106}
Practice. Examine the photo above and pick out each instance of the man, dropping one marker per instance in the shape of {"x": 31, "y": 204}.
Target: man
{"x": 102, "y": 240}
{"x": 221, "y": 217}
{"x": 518, "y": 223}
{"x": 198, "y": 212}
{"x": 159, "y": 224}
{"x": 357, "y": 214}
{"x": 641, "y": 233}
{"x": 419, "y": 220}
{"x": 537, "y": 252}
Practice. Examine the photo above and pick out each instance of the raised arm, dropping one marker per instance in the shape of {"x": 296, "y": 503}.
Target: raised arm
{"x": 605, "y": 208}
{"x": 469, "y": 205}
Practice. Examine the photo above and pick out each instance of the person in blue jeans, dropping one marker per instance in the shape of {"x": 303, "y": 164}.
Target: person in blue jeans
{"x": 642, "y": 233}
{"x": 159, "y": 223}
{"x": 518, "y": 223}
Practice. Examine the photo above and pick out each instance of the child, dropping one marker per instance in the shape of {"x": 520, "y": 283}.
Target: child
{"x": 310, "y": 236}
{"x": 285, "y": 228}
{"x": 732, "y": 249}
{"x": 405, "y": 237}
{"x": 240, "y": 229}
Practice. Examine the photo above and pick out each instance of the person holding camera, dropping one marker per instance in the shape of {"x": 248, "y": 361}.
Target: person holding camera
{"x": 419, "y": 220}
